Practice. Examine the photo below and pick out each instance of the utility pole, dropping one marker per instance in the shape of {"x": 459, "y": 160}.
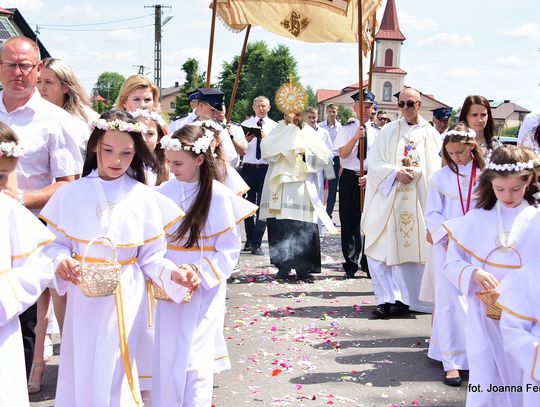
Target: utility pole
{"x": 157, "y": 41}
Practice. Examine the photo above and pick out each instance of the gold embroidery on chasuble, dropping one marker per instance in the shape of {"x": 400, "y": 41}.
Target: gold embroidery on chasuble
{"x": 295, "y": 24}
{"x": 406, "y": 226}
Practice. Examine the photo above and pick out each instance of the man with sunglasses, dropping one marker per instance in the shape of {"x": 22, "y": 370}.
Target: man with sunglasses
{"x": 52, "y": 156}
{"x": 404, "y": 157}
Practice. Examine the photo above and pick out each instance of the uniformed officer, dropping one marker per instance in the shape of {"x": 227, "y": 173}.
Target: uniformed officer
{"x": 346, "y": 144}
{"x": 440, "y": 118}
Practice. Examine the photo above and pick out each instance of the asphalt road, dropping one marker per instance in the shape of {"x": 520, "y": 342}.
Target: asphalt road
{"x": 299, "y": 344}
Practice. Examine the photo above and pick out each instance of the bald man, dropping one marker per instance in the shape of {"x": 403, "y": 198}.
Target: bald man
{"x": 401, "y": 161}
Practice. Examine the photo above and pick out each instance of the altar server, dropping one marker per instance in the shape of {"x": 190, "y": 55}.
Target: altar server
{"x": 208, "y": 241}
{"x": 24, "y": 273}
{"x": 486, "y": 245}
{"x": 101, "y": 334}
{"x": 450, "y": 195}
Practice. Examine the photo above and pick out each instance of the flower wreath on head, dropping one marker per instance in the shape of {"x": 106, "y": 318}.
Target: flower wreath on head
{"x": 209, "y": 124}
{"x": 469, "y": 135}
{"x": 11, "y": 149}
{"x": 119, "y": 125}
{"x": 150, "y": 115}
{"x": 514, "y": 167}
{"x": 199, "y": 146}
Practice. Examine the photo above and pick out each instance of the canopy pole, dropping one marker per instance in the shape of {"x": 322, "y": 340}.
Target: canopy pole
{"x": 211, "y": 46}
{"x": 238, "y": 71}
{"x": 371, "y": 56}
{"x": 361, "y": 142}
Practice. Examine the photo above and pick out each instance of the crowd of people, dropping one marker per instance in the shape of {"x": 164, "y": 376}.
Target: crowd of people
{"x": 130, "y": 229}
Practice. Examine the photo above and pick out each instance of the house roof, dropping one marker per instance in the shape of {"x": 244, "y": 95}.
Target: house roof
{"x": 4, "y": 11}
{"x": 390, "y": 25}
{"x": 170, "y": 91}
{"x": 503, "y": 110}
{"x": 323, "y": 94}
{"x": 20, "y": 22}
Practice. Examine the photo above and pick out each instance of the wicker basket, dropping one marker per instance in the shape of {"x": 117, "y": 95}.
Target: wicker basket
{"x": 160, "y": 294}
{"x": 99, "y": 278}
{"x": 489, "y": 298}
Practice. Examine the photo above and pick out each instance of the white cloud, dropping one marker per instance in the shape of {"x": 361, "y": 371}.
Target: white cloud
{"x": 88, "y": 11}
{"x": 421, "y": 69}
{"x": 511, "y": 61}
{"x": 527, "y": 30}
{"x": 409, "y": 22}
{"x": 452, "y": 39}
{"x": 180, "y": 56}
{"x": 123, "y": 35}
{"x": 462, "y": 73}
{"x": 199, "y": 25}
{"x": 24, "y": 6}
{"x": 126, "y": 57}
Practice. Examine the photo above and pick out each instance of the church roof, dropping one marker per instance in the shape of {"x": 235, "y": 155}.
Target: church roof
{"x": 386, "y": 69}
{"x": 389, "y": 29}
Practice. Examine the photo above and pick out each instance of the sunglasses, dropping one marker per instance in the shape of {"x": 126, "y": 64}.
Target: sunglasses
{"x": 408, "y": 103}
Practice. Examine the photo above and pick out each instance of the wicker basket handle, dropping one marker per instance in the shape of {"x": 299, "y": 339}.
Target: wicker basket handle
{"x": 102, "y": 238}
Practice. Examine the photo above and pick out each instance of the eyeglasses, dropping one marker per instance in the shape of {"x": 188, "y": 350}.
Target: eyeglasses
{"x": 25, "y": 67}
{"x": 384, "y": 119}
{"x": 409, "y": 103}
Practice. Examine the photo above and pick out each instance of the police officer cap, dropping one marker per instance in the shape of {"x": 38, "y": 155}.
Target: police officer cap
{"x": 368, "y": 96}
{"x": 213, "y": 96}
{"x": 194, "y": 95}
{"x": 442, "y": 113}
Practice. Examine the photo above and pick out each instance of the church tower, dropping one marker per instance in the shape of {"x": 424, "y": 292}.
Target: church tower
{"x": 388, "y": 77}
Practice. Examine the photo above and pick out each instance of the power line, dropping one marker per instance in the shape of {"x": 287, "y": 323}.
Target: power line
{"x": 97, "y": 29}
{"x": 90, "y": 24}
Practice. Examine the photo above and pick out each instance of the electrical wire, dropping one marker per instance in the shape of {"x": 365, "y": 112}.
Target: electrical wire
{"x": 96, "y": 29}
{"x": 91, "y": 24}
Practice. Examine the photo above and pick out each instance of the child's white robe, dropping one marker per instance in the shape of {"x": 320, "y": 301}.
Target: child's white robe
{"x": 186, "y": 334}
{"x": 24, "y": 273}
{"x": 520, "y": 327}
{"x": 94, "y": 371}
{"x": 447, "y": 342}
{"x": 473, "y": 244}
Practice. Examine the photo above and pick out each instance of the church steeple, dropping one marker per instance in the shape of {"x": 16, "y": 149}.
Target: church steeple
{"x": 388, "y": 77}
{"x": 389, "y": 29}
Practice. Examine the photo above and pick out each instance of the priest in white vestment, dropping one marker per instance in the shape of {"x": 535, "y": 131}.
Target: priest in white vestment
{"x": 403, "y": 158}
{"x": 290, "y": 202}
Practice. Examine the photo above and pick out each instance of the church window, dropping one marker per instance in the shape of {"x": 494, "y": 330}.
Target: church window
{"x": 388, "y": 57}
{"x": 387, "y": 92}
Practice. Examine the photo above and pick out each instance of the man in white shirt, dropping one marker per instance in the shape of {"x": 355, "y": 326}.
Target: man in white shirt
{"x": 254, "y": 170}
{"x": 332, "y": 125}
{"x": 346, "y": 144}
{"x": 311, "y": 115}
{"x": 180, "y": 121}
{"x": 236, "y": 136}
{"x": 52, "y": 156}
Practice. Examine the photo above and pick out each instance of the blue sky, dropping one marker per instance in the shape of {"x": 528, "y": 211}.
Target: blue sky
{"x": 487, "y": 47}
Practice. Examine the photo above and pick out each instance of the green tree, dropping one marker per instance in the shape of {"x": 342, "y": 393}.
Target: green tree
{"x": 263, "y": 71}
{"x": 108, "y": 86}
{"x": 510, "y": 131}
{"x": 312, "y": 98}
{"x": 344, "y": 114}
{"x": 194, "y": 80}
